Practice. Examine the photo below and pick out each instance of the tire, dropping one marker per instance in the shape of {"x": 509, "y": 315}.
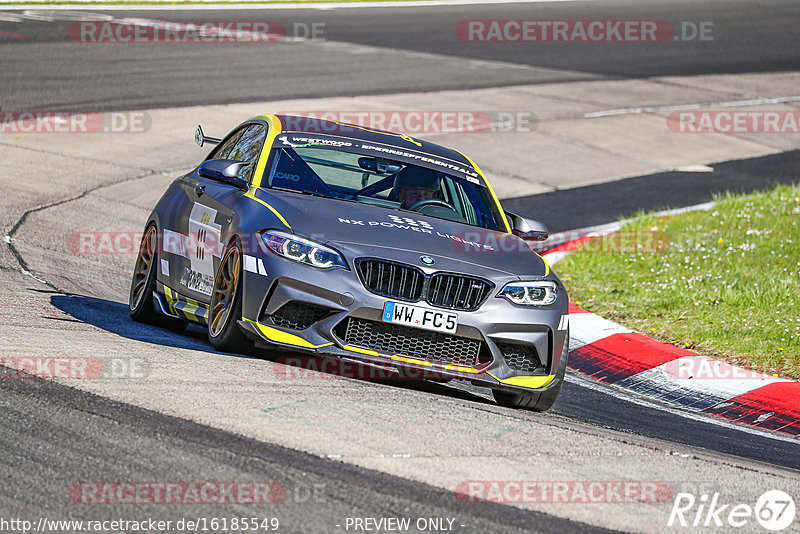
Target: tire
{"x": 225, "y": 309}
{"x": 143, "y": 283}
{"x": 538, "y": 402}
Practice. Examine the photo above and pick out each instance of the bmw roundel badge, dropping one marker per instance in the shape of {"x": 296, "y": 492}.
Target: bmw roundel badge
{"x": 427, "y": 260}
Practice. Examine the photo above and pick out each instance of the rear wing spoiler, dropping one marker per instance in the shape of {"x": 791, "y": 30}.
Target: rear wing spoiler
{"x": 200, "y": 137}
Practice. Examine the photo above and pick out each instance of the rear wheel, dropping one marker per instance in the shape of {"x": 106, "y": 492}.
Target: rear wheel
{"x": 226, "y": 304}
{"x": 140, "y": 300}
{"x": 538, "y": 402}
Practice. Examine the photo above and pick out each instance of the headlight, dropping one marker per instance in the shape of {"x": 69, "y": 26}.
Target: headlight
{"x": 540, "y": 293}
{"x": 302, "y": 250}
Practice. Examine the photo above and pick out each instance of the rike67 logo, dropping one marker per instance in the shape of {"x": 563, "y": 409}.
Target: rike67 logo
{"x": 774, "y": 510}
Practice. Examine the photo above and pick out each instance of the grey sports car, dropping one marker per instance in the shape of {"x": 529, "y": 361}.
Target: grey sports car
{"x": 352, "y": 243}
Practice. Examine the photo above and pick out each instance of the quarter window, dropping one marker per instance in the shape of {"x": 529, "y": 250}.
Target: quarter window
{"x": 223, "y": 150}
{"x": 248, "y": 148}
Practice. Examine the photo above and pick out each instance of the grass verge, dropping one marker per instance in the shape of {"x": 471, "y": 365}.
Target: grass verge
{"x": 723, "y": 282}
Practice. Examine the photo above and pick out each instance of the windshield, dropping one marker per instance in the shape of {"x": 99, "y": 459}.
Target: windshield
{"x": 342, "y": 173}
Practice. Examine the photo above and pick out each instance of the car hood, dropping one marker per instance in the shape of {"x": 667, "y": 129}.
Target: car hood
{"x": 358, "y": 229}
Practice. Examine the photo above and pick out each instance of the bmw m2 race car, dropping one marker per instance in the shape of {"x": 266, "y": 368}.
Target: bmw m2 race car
{"x": 347, "y": 242}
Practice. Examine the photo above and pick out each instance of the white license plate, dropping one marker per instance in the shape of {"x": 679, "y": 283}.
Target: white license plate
{"x": 419, "y": 317}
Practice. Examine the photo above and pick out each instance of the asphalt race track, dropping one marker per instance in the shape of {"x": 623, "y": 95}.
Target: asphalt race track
{"x": 45, "y": 70}
{"x": 348, "y": 448}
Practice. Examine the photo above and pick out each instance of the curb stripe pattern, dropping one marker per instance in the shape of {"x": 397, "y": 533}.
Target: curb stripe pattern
{"x": 612, "y": 354}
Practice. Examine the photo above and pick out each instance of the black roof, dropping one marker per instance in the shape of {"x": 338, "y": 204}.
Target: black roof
{"x": 309, "y": 125}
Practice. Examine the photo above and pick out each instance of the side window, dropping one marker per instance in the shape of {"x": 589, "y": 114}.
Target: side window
{"x": 223, "y": 151}
{"x": 248, "y": 148}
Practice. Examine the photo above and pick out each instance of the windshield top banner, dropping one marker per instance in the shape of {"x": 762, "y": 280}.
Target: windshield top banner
{"x": 380, "y": 150}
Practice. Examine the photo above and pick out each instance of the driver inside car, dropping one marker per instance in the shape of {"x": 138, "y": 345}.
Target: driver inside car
{"x": 416, "y": 184}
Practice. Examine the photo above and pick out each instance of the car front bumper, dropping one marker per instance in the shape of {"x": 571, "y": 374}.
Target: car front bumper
{"x": 271, "y": 282}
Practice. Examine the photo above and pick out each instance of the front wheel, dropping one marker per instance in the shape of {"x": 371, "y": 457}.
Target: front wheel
{"x": 226, "y": 304}
{"x": 538, "y": 402}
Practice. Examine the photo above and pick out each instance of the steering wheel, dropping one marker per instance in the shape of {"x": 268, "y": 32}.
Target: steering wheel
{"x": 430, "y": 202}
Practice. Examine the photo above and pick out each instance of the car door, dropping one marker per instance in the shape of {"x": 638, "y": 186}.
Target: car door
{"x": 206, "y": 217}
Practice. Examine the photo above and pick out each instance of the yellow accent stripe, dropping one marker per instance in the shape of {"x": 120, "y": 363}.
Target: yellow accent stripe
{"x": 530, "y": 382}
{"x": 190, "y": 309}
{"x": 197, "y": 307}
{"x": 412, "y": 360}
{"x": 273, "y": 130}
{"x": 185, "y": 306}
{"x": 251, "y": 195}
{"x": 168, "y": 294}
{"x": 362, "y": 351}
{"x": 491, "y": 191}
{"x": 273, "y": 334}
{"x": 461, "y": 369}
{"x": 546, "y": 266}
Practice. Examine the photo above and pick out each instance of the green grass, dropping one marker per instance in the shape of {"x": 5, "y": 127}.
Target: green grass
{"x": 723, "y": 282}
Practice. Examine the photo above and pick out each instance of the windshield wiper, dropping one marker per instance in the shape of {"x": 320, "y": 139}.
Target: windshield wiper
{"x": 301, "y": 191}
{"x": 312, "y": 194}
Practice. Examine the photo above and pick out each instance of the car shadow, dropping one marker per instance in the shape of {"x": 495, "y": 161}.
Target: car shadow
{"x": 113, "y": 317}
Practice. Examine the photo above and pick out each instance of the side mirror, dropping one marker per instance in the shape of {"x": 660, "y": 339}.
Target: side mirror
{"x": 200, "y": 137}
{"x": 224, "y": 170}
{"x": 527, "y": 228}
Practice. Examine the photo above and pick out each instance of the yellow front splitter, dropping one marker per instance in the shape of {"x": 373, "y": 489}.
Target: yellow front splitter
{"x": 527, "y": 382}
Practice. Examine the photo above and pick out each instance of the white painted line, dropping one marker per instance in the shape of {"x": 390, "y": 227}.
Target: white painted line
{"x": 28, "y": 273}
{"x": 167, "y": 5}
{"x": 588, "y": 328}
{"x": 705, "y": 206}
{"x": 634, "y": 398}
{"x": 678, "y": 107}
{"x": 694, "y": 168}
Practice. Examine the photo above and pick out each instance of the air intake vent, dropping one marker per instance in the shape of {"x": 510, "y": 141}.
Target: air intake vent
{"x": 434, "y": 347}
{"x": 521, "y": 358}
{"x": 296, "y": 315}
